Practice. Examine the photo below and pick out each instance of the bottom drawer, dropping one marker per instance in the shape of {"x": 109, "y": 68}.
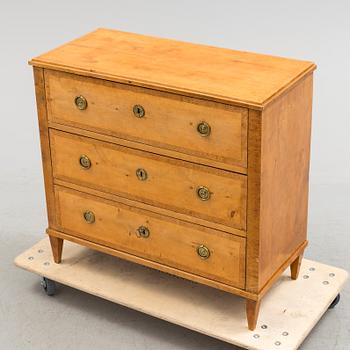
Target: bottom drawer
{"x": 195, "y": 249}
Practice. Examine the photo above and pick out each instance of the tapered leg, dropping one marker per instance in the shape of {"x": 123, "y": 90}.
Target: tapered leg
{"x": 252, "y": 310}
{"x": 295, "y": 267}
{"x": 56, "y": 247}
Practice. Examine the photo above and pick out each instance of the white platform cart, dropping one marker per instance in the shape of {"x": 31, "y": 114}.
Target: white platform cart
{"x": 288, "y": 312}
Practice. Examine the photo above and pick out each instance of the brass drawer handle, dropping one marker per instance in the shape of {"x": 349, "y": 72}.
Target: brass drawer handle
{"x": 89, "y": 217}
{"x": 141, "y": 174}
{"x": 143, "y": 232}
{"x": 203, "y": 193}
{"x": 203, "y": 252}
{"x": 81, "y": 102}
{"x": 204, "y": 129}
{"x": 139, "y": 111}
{"x": 85, "y": 162}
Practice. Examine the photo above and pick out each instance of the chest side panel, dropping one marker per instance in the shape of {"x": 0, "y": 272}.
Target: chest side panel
{"x": 285, "y": 155}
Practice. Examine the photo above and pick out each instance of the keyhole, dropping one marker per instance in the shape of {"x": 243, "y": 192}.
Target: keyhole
{"x": 139, "y": 111}
{"x": 141, "y": 174}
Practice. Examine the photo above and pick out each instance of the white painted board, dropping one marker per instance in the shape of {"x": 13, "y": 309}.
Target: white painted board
{"x": 288, "y": 312}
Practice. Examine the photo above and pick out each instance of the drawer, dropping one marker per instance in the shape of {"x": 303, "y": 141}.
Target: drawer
{"x": 151, "y": 236}
{"x": 156, "y": 180}
{"x": 169, "y": 122}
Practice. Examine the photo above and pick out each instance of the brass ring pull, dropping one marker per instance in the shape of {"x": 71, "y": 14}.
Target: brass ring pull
{"x": 81, "y": 102}
{"x": 203, "y": 193}
{"x": 203, "y": 252}
{"x": 139, "y": 111}
{"x": 143, "y": 232}
{"x": 85, "y": 162}
{"x": 204, "y": 129}
{"x": 141, "y": 174}
{"x": 89, "y": 217}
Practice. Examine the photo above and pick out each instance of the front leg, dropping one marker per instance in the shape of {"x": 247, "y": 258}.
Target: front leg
{"x": 295, "y": 267}
{"x": 252, "y": 310}
{"x": 56, "y": 247}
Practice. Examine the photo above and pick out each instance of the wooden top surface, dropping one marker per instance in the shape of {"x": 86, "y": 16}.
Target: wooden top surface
{"x": 234, "y": 77}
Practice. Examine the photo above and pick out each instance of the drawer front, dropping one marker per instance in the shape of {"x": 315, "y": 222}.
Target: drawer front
{"x": 152, "y": 179}
{"x": 153, "y": 237}
{"x": 198, "y": 128}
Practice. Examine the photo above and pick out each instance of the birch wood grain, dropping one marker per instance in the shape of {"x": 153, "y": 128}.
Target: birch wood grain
{"x": 254, "y": 161}
{"x": 170, "y": 241}
{"x": 235, "y": 77}
{"x": 170, "y": 184}
{"x": 170, "y": 122}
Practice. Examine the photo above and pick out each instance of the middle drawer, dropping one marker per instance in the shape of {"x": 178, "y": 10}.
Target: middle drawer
{"x": 203, "y": 192}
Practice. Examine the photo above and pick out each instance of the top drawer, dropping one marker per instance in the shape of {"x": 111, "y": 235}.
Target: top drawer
{"x": 198, "y": 128}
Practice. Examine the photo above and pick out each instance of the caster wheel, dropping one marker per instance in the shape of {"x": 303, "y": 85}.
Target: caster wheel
{"x": 49, "y": 286}
{"x": 334, "y": 302}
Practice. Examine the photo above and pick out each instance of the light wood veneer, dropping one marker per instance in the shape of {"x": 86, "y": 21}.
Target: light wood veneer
{"x": 191, "y": 116}
{"x": 170, "y": 241}
{"x": 170, "y": 121}
{"x": 170, "y": 183}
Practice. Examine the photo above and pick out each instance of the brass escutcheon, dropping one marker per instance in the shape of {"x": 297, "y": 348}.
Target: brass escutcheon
{"x": 139, "y": 111}
{"x": 204, "y": 129}
{"x": 81, "y": 102}
{"x": 143, "y": 232}
{"x": 89, "y": 217}
{"x": 203, "y": 251}
{"x": 85, "y": 162}
{"x": 141, "y": 174}
{"x": 203, "y": 193}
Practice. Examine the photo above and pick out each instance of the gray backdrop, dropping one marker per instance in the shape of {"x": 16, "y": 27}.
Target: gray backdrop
{"x": 312, "y": 30}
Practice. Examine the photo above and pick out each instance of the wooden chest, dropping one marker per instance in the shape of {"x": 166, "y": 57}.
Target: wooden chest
{"x": 189, "y": 159}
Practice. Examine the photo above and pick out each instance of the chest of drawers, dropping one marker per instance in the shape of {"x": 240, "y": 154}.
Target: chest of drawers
{"x": 189, "y": 159}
